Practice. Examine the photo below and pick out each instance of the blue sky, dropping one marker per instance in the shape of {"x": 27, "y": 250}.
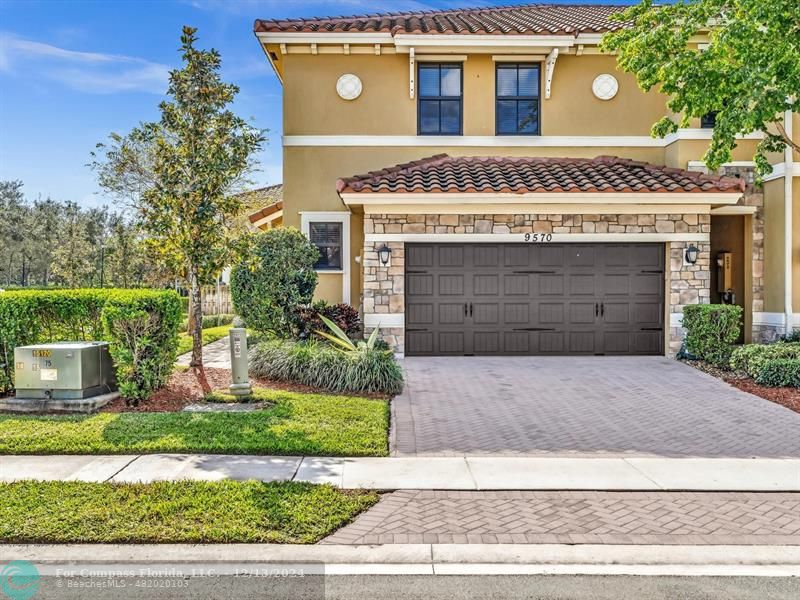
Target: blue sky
{"x": 73, "y": 71}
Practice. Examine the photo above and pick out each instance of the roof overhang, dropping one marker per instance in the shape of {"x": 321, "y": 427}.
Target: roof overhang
{"x": 622, "y": 198}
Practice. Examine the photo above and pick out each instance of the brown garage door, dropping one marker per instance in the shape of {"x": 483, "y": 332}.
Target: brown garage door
{"x": 538, "y": 298}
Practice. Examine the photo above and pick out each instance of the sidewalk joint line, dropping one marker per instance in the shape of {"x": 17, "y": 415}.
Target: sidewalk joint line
{"x": 645, "y": 475}
{"x": 471, "y": 476}
{"x": 297, "y": 468}
{"x": 125, "y": 466}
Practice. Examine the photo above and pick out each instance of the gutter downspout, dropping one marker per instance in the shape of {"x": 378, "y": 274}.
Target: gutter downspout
{"x": 787, "y": 221}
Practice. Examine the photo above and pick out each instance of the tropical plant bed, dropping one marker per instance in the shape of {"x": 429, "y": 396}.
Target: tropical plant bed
{"x": 785, "y": 396}
{"x": 292, "y": 424}
{"x": 59, "y": 512}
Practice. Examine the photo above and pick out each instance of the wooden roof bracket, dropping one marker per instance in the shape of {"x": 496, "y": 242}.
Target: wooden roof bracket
{"x": 549, "y": 67}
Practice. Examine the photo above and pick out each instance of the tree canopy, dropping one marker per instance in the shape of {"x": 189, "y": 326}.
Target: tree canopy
{"x": 181, "y": 171}
{"x": 748, "y": 74}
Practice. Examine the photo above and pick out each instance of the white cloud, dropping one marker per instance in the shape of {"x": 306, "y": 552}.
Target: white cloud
{"x": 91, "y": 72}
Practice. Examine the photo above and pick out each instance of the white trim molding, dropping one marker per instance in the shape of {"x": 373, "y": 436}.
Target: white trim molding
{"x": 343, "y": 217}
{"x": 734, "y": 210}
{"x": 385, "y": 320}
{"x": 520, "y": 237}
{"x": 774, "y": 319}
{"x": 501, "y": 141}
{"x": 779, "y": 170}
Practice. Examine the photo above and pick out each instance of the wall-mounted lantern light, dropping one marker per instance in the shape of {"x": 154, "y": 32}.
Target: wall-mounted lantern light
{"x": 384, "y": 254}
{"x": 691, "y": 254}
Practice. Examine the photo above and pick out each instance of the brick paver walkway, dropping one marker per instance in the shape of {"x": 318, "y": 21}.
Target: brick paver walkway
{"x": 216, "y": 354}
{"x": 446, "y": 517}
{"x": 582, "y": 406}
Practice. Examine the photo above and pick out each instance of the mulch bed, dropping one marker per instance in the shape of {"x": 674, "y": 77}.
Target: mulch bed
{"x": 184, "y": 388}
{"x": 785, "y": 396}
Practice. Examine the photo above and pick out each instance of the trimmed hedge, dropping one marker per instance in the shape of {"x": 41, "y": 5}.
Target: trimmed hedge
{"x": 141, "y": 326}
{"x": 322, "y": 366}
{"x": 752, "y": 358}
{"x": 780, "y": 373}
{"x": 711, "y": 331}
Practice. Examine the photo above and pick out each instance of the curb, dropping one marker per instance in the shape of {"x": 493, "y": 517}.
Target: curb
{"x": 431, "y": 559}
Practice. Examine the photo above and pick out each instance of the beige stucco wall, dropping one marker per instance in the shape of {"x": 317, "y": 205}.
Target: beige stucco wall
{"x": 774, "y": 219}
{"x": 312, "y": 107}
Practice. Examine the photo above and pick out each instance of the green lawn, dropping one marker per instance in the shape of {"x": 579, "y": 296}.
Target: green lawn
{"x": 211, "y": 334}
{"x": 59, "y": 512}
{"x": 296, "y": 424}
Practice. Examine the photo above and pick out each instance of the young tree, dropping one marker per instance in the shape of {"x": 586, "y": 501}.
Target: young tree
{"x": 73, "y": 259}
{"x": 749, "y": 74}
{"x": 181, "y": 170}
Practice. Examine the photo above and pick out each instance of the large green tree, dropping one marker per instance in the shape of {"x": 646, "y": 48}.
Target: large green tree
{"x": 181, "y": 170}
{"x": 73, "y": 262}
{"x": 748, "y": 74}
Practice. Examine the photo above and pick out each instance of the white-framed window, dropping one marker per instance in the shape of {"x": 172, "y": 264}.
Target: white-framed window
{"x": 329, "y": 231}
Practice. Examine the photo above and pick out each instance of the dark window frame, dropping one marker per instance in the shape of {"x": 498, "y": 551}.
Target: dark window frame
{"x": 421, "y": 98}
{"x": 498, "y": 98}
{"x": 708, "y": 120}
{"x": 317, "y": 245}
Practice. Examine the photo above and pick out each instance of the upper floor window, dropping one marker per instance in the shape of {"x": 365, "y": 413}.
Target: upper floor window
{"x": 327, "y": 237}
{"x": 517, "y": 103}
{"x": 439, "y": 109}
{"x": 708, "y": 121}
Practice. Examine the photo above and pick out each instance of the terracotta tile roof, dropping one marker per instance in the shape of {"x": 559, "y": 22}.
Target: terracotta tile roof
{"x": 530, "y": 19}
{"x": 513, "y": 175}
{"x": 263, "y": 202}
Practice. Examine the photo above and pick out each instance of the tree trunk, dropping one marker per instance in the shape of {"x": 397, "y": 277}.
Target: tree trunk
{"x": 195, "y": 318}
{"x": 196, "y": 313}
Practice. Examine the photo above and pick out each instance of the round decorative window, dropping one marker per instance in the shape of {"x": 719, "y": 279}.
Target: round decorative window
{"x": 605, "y": 86}
{"x": 348, "y": 86}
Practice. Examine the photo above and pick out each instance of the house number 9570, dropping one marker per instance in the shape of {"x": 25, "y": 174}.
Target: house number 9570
{"x": 538, "y": 237}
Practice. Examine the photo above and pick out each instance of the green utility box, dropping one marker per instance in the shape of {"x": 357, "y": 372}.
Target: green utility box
{"x": 63, "y": 371}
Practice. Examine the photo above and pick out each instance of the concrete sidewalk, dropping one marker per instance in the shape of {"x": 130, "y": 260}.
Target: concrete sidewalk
{"x": 215, "y": 355}
{"x": 424, "y": 473}
{"x": 420, "y": 559}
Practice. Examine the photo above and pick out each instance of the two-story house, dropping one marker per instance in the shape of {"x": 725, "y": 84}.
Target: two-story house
{"x": 483, "y": 181}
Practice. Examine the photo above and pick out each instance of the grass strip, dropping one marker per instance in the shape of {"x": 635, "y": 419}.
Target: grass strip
{"x": 293, "y": 424}
{"x": 210, "y": 334}
{"x": 60, "y": 512}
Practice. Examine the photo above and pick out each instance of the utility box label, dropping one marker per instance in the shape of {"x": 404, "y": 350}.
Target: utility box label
{"x": 49, "y": 375}
{"x": 237, "y": 347}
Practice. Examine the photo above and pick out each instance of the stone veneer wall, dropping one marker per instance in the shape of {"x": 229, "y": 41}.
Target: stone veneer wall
{"x": 384, "y": 287}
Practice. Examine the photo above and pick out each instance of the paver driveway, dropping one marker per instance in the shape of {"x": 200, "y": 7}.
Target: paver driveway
{"x": 582, "y": 406}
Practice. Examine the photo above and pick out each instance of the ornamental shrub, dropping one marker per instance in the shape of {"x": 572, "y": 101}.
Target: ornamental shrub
{"x": 141, "y": 327}
{"x": 753, "y": 357}
{"x": 321, "y": 366}
{"x": 780, "y": 373}
{"x": 268, "y": 290}
{"x": 345, "y": 316}
{"x": 711, "y": 330}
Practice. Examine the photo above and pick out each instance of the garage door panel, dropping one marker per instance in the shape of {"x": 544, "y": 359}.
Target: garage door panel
{"x": 486, "y": 256}
{"x": 486, "y": 285}
{"x": 516, "y": 313}
{"x": 534, "y": 299}
{"x": 582, "y": 342}
{"x": 451, "y": 342}
{"x": 552, "y": 342}
{"x": 486, "y": 313}
{"x": 551, "y": 313}
{"x": 451, "y": 314}
{"x": 517, "y": 342}
{"x": 419, "y": 285}
{"x": 551, "y": 285}
{"x": 451, "y": 285}
{"x": 582, "y": 285}
{"x": 582, "y": 312}
{"x": 418, "y": 256}
{"x": 419, "y": 314}
{"x": 517, "y": 284}
{"x": 486, "y": 342}
{"x": 451, "y": 256}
